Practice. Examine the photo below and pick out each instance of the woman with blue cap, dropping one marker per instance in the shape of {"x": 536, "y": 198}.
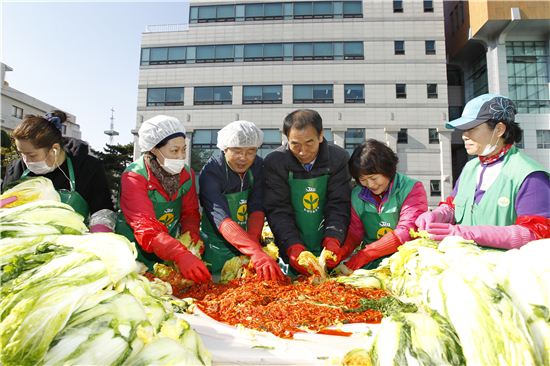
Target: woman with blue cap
{"x": 78, "y": 177}
{"x": 502, "y": 197}
{"x": 159, "y": 200}
{"x": 231, "y": 191}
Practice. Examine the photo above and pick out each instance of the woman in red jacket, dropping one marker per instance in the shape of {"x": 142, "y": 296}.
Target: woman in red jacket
{"x": 159, "y": 200}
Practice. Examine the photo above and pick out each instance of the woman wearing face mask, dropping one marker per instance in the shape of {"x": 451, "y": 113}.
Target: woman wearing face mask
{"x": 158, "y": 199}
{"x": 502, "y": 197}
{"x": 77, "y": 176}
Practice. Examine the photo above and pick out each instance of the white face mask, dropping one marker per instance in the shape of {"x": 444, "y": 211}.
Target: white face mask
{"x": 172, "y": 166}
{"x": 490, "y": 148}
{"x": 40, "y": 167}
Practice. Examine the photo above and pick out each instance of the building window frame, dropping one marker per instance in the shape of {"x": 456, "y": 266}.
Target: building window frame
{"x": 399, "y": 47}
{"x": 354, "y": 93}
{"x": 403, "y": 136}
{"x": 543, "y": 139}
{"x": 397, "y": 6}
{"x": 311, "y": 93}
{"x": 16, "y": 112}
{"x": 353, "y": 137}
{"x": 428, "y": 6}
{"x": 263, "y": 94}
{"x": 431, "y": 91}
{"x": 217, "y": 94}
{"x": 401, "y": 91}
{"x": 164, "y": 97}
{"x": 435, "y": 187}
{"x": 433, "y": 136}
{"x": 429, "y": 47}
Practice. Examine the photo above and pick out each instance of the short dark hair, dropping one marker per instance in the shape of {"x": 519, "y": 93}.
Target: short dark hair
{"x": 513, "y": 132}
{"x": 373, "y": 157}
{"x": 300, "y": 119}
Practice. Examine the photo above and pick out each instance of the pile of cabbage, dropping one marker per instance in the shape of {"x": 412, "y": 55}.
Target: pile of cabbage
{"x": 73, "y": 298}
{"x": 476, "y": 306}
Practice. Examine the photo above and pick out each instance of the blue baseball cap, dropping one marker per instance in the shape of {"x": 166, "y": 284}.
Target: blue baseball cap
{"x": 484, "y": 108}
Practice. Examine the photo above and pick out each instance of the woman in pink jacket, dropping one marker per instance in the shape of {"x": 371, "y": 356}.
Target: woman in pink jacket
{"x": 385, "y": 205}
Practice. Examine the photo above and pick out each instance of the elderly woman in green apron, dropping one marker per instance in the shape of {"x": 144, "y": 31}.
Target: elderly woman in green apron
{"x": 231, "y": 190}
{"x": 385, "y": 205}
{"x": 159, "y": 201}
{"x": 77, "y": 176}
{"x": 307, "y": 190}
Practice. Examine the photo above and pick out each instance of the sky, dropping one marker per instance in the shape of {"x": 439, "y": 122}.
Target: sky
{"x": 82, "y": 57}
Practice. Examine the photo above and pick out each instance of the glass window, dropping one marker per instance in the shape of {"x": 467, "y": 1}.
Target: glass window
{"x": 204, "y": 95}
{"x": 273, "y": 11}
{"x": 213, "y": 95}
{"x": 432, "y": 90}
{"x": 272, "y": 140}
{"x": 397, "y": 6}
{"x": 273, "y": 51}
{"x": 206, "y": 53}
{"x": 338, "y": 9}
{"x": 433, "y": 136}
{"x": 543, "y": 139}
{"x": 354, "y": 93}
{"x": 429, "y": 47}
{"x": 225, "y": 12}
{"x": 428, "y": 6}
{"x": 239, "y": 12}
{"x": 454, "y": 112}
{"x": 327, "y": 135}
{"x": 399, "y": 47}
{"x": 313, "y": 93}
{"x": 203, "y": 146}
{"x": 254, "y": 11}
{"x": 268, "y": 94}
{"x": 164, "y": 96}
{"x": 224, "y": 53}
{"x": 528, "y": 76}
{"x": 338, "y": 49}
{"x": 205, "y": 137}
{"x": 353, "y": 137}
{"x": 402, "y": 136}
{"x": 223, "y": 95}
{"x": 176, "y": 55}
{"x": 145, "y": 56}
{"x": 288, "y": 10}
{"x": 322, "y": 51}
{"x": 253, "y": 52}
{"x": 353, "y": 50}
{"x": 17, "y": 112}
{"x": 302, "y": 10}
{"x": 191, "y": 52}
{"x": 303, "y": 51}
{"x": 401, "y": 90}
{"x": 207, "y": 13}
{"x": 322, "y": 9}
{"x": 193, "y": 14}
{"x": 353, "y": 9}
{"x": 158, "y": 55}
{"x": 435, "y": 188}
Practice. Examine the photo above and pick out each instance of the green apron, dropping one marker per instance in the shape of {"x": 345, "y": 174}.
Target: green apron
{"x": 308, "y": 198}
{"x": 379, "y": 223}
{"x": 167, "y": 213}
{"x": 72, "y": 197}
{"x": 217, "y": 250}
{"x": 497, "y": 206}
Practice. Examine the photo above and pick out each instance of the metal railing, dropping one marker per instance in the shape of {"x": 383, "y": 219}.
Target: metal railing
{"x": 161, "y": 28}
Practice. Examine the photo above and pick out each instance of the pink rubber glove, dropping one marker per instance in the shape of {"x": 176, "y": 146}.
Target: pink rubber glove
{"x": 333, "y": 245}
{"x": 502, "y": 237}
{"x": 442, "y": 213}
{"x": 7, "y": 201}
{"x": 100, "y": 228}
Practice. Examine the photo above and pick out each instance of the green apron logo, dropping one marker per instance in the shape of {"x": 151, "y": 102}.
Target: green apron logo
{"x": 242, "y": 211}
{"x": 311, "y": 200}
{"x": 167, "y": 218}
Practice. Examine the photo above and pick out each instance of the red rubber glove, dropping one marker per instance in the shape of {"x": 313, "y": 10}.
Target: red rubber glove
{"x": 293, "y": 252}
{"x": 333, "y": 245}
{"x": 349, "y": 245}
{"x": 386, "y": 245}
{"x": 265, "y": 266}
{"x": 255, "y": 225}
{"x": 167, "y": 248}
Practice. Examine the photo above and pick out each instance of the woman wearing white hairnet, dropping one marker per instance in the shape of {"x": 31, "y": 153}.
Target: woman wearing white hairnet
{"x": 231, "y": 196}
{"x": 158, "y": 198}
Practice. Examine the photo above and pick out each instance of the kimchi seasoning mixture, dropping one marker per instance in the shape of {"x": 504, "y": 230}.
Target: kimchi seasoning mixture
{"x": 284, "y": 309}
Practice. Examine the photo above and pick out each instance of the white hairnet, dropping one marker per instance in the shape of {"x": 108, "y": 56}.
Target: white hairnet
{"x": 240, "y": 134}
{"x": 156, "y": 129}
